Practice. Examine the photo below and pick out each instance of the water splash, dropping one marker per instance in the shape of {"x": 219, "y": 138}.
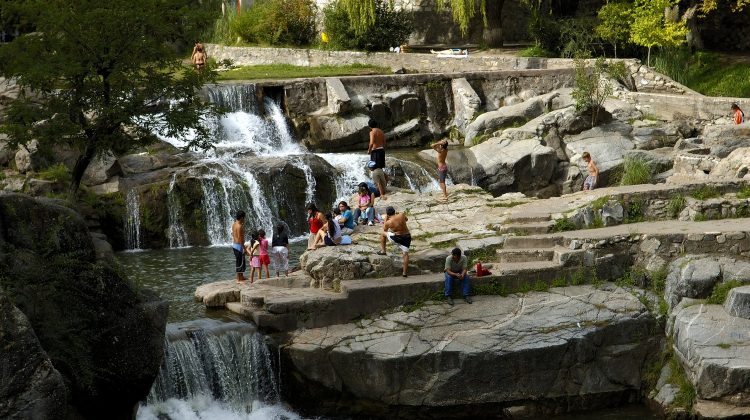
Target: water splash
{"x": 177, "y": 236}
{"x": 133, "y": 219}
{"x": 211, "y": 368}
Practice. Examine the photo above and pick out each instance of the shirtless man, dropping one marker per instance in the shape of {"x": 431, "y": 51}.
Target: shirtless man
{"x": 396, "y": 231}
{"x": 441, "y": 148}
{"x": 199, "y": 57}
{"x": 376, "y": 150}
{"x": 591, "y": 180}
{"x": 238, "y": 240}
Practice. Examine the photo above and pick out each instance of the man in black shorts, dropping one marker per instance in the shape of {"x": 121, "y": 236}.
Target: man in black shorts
{"x": 396, "y": 231}
{"x": 376, "y": 150}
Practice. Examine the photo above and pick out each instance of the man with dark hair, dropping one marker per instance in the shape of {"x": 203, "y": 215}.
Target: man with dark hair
{"x": 396, "y": 231}
{"x": 456, "y": 267}
{"x": 376, "y": 150}
{"x": 238, "y": 240}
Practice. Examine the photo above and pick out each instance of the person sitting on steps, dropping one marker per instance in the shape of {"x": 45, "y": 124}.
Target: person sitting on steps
{"x": 456, "y": 270}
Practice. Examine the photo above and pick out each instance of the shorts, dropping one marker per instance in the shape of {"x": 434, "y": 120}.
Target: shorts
{"x": 403, "y": 241}
{"x": 590, "y": 182}
{"x": 265, "y": 259}
{"x": 378, "y": 156}
{"x": 328, "y": 241}
{"x": 255, "y": 262}
{"x": 378, "y": 178}
{"x": 239, "y": 261}
{"x": 442, "y": 172}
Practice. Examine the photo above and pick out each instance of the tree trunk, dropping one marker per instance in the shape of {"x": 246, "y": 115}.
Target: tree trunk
{"x": 648, "y": 58}
{"x": 82, "y": 163}
{"x": 492, "y": 34}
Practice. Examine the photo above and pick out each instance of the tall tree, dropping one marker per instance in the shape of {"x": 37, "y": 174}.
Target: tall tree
{"x": 105, "y": 75}
{"x": 616, "y": 18}
{"x": 650, "y": 28}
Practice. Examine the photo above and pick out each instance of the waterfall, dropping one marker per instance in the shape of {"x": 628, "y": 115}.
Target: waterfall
{"x": 234, "y": 97}
{"x": 351, "y": 168}
{"x": 177, "y": 235}
{"x": 212, "y": 367}
{"x": 133, "y": 219}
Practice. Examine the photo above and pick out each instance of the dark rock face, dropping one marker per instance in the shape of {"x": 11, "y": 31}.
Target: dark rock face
{"x": 30, "y": 387}
{"x": 101, "y": 334}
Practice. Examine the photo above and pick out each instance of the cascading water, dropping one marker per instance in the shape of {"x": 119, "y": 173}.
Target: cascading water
{"x": 133, "y": 219}
{"x": 177, "y": 235}
{"x": 215, "y": 369}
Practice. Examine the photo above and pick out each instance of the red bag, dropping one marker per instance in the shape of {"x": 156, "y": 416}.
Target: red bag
{"x": 481, "y": 272}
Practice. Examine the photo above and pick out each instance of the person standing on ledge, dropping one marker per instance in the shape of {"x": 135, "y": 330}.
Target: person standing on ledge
{"x": 376, "y": 150}
{"x": 238, "y": 241}
{"x": 456, "y": 267}
{"x": 737, "y": 115}
{"x": 441, "y": 148}
{"x": 593, "y": 171}
{"x": 396, "y": 231}
{"x": 199, "y": 56}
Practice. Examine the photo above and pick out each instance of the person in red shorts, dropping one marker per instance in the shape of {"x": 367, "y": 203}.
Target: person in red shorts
{"x": 265, "y": 259}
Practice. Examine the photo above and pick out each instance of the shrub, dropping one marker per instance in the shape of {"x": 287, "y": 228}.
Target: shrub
{"x": 721, "y": 290}
{"x": 675, "y": 205}
{"x": 391, "y": 28}
{"x": 588, "y": 93}
{"x": 58, "y": 173}
{"x": 277, "y": 22}
{"x": 563, "y": 225}
{"x": 635, "y": 171}
{"x": 535, "y": 51}
{"x": 705, "y": 192}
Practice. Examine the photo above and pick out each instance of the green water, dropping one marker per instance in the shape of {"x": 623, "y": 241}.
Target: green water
{"x": 175, "y": 273}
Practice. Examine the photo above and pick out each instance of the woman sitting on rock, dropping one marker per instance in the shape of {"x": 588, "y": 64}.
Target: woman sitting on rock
{"x": 365, "y": 213}
{"x": 316, "y": 220}
{"x": 329, "y": 234}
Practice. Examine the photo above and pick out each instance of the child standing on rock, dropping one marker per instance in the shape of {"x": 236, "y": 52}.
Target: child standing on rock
{"x": 254, "y": 259}
{"x": 593, "y": 177}
{"x": 265, "y": 259}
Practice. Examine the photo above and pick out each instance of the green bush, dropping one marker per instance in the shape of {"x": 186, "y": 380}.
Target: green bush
{"x": 276, "y": 22}
{"x": 705, "y": 192}
{"x": 676, "y": 205}
{"x": 635, "y": 171}
{"x": 563, "y": 225}
{"x": 58, "y": 173}
{"x": 391, "y": 28}
{"x": 721, "y": 290}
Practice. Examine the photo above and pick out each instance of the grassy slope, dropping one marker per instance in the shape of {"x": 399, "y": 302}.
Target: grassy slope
{"x": 710, "y": 73}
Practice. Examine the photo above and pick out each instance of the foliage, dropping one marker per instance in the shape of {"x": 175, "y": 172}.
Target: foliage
{"x": 288, "y": 71}
{"x": 707, "y": 6}
{"x": 721, "y": 290}
{"x": 676, "y": 205}
{"x": 589, "y": 94}
{"x": 650, "y": 28}
{"x": 706, "y": 72}
{"x": 599, "y": 203}
{"x": 615, "y": 21}
{"x": 535, "y": 51}
{"x": 277, "y": 22}
{"x": 636, "y": 171}
{"x": 463, "y": 11}
{"x": 58, "y": 173}
{"x": 96, "y": 90}
{"x": 618, "y": 71}
{"x": 674, "y": 62}
{"x": 744, "y": 193}
{"x": 635, "y": 210}
{"x": 577, "y": 37}
{"x": 685, "y": 396}
{"x": 563, "y": 224}
{"x": 705, "y": 192}
{"x": 221, "y": 33}
{"x": 391, "y": 28}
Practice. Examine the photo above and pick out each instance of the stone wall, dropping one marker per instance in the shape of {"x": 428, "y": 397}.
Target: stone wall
{"x": 666, "y": 106}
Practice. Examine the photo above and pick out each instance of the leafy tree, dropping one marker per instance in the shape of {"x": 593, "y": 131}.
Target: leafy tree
{"x": 589, "y": 93}
{"x": 392, "y": 27}
{"x": 707, "y": 6}
{"x": 651, "y": 29}
{"x": 616, "y": 19}
{"x": 105, "y": 75}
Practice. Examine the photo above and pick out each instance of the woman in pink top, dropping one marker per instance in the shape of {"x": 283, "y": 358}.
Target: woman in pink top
{"x": 265, "y": 259}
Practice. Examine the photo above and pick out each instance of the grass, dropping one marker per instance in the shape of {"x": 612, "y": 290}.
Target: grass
{"x": 724, "y": 346}
{"x": 288, "y": 71}
{"x": 506, "y": 204}
{"x": 686, "y": 395}
{"x": 493, "y": 288}
{"x": 599, "y": 203}
{"x": 563, "y": 224}
{"x": 705, "y": 192}
{"x": 744, "y": 193}
{"x": 709, "y": 73}
{"x": 535, "y": 51}
{"x": 636, "y": 171}
{"x": 676, "y": 205}
{"x": 721, "y": 290}
{"x": 635, "y": 210}
{"x": 58, "y": 173}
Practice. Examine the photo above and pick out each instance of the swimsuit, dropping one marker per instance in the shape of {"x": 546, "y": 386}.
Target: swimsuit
{"x": 378, "y": 156}
{"x": 403, "y": 241}
{"x": 239, "y": 258}
{"x": 442, "y": 171}
{"x": 263, "y": 257}
{"x": 590, "y": 181}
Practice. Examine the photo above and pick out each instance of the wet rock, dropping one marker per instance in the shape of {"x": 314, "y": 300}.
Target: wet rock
{"x": 338, "y": 99}
{"x": 338, "y": 133}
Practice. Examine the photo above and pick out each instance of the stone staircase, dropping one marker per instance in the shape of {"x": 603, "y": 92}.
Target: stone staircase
{"x": 528, "y": 224}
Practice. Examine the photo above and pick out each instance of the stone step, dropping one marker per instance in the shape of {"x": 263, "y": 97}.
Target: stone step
{"x": 524, "y": 242}
{"x": 532, "y": 266}
{"x": 529, "y": 217}
{"x": 533, "y": 228}
{"x": 525, "y": 255}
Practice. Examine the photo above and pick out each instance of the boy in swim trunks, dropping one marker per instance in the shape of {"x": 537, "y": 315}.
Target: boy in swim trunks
{"x": 441, "y": 148}
{"x": 238, "y": 240}
{"x": 395, "y": 230}
{"x": 593, "y": 177}
{"x": 376, "y": 150}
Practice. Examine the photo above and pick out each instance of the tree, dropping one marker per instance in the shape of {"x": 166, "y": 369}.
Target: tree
{"x": 589, "y": 92}
{"x": 707, "y": 6}
{"x": 651, "y": 29}
{"x": 616, "y": 19}
{"x": 105, "y": 75}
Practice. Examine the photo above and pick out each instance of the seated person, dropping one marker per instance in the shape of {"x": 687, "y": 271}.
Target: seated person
{"x": 329, "y": 234}
{"x": 365, "y": 212}
{"x": 346, "y": 219}
{"x": 456, "y": 270}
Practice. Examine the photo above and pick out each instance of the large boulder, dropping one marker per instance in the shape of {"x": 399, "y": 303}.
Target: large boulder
{"x": 466, "y": 103}
{"x": 101, "y": 169}
{"x": 102, "y": 335}
{"x": 692, "y": 277}
{"x": 30, "y": 386}
{"x": 735, "y": 165}
{"x": 579, "y": 345}
{"x": 724, "y": 139}
{"x": 514, "y": 166}
{"x": 29, "y": 158}
{"x": 738, "y": 302}
{"x": 338, "y": 133}
{"x": 462, "y": 165}
{"x": 660, "y": 160}
{"x": 519, "y": 114}
{"x": 607, "y": 145}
